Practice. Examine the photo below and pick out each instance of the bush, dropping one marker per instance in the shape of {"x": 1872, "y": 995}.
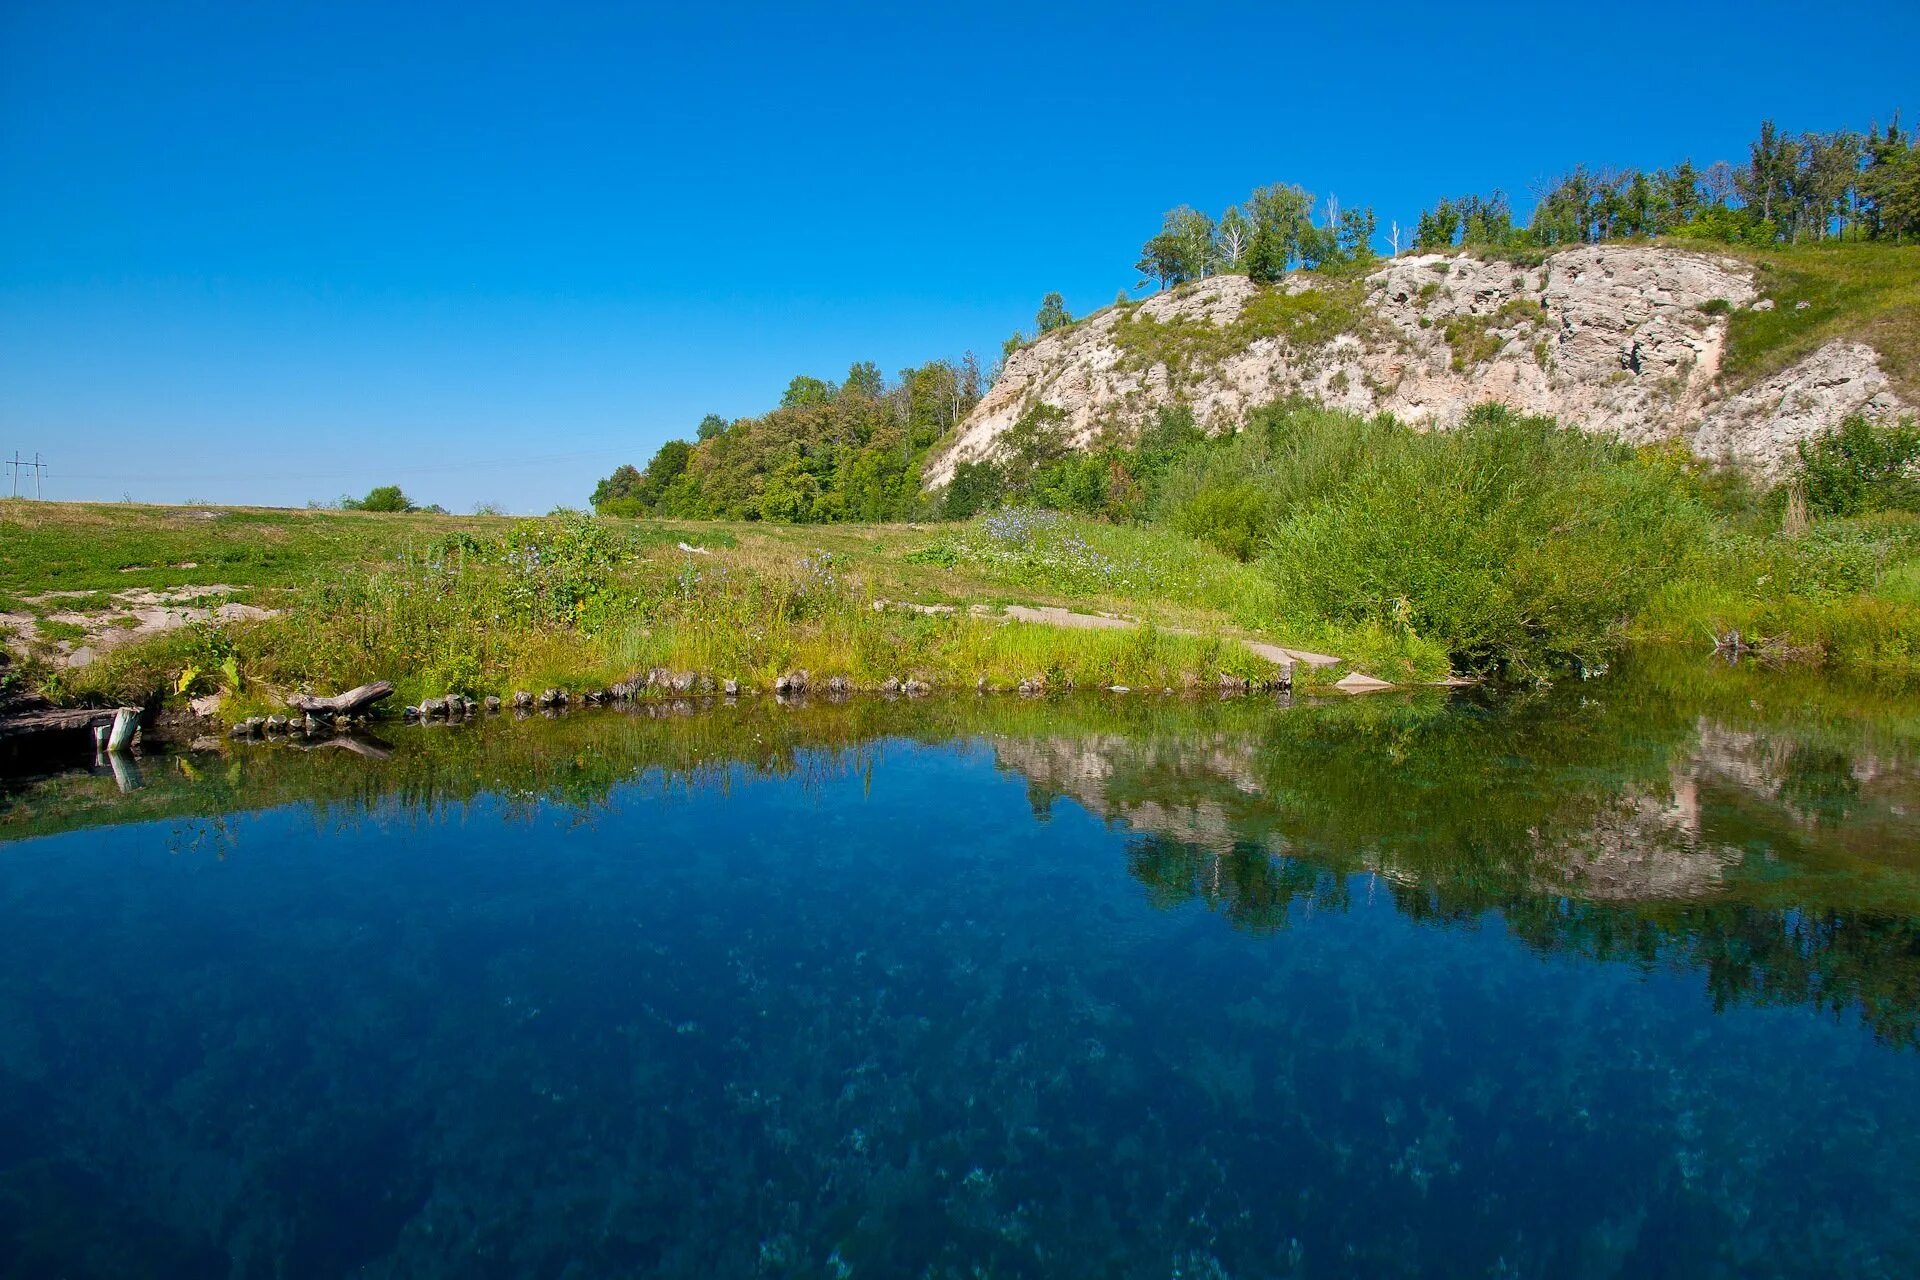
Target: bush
{"x": 1232, "y": 492}
{"x": 1512, "y": 541}
{"x": 384, "y": 498}
{"x": 1859, "y": 467}
{"x": 975, "y": 487}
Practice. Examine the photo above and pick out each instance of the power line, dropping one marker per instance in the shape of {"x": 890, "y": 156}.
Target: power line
{"x": 17, "y": 465}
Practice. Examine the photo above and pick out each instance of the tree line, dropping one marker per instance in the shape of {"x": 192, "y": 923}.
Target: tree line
{"x": 1791, "y": 189}
{"x": 851, "y": 450}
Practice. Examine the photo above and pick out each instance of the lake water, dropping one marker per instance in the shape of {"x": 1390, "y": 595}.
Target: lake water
{"x": 1616, "y": 979}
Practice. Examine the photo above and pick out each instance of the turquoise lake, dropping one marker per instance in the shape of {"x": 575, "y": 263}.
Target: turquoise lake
{"x": 1618, "y": 978}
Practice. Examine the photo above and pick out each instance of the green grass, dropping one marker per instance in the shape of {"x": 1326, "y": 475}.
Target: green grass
{"x": 456, "y": 606}
{"x": 110, "y": 547}
{"x": 1862, "y": 291}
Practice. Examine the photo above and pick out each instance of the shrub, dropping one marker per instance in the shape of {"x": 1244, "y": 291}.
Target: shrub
{"x": 1512, "y": 541}
{"x": 384, "y": 498}
{"x": 1859, "y": 467}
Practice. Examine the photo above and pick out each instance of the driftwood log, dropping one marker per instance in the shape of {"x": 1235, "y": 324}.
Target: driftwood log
{"x": 350, "y": 703}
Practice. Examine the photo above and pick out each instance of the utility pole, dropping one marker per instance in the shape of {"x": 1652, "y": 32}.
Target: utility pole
{"x": 17, "y": 464}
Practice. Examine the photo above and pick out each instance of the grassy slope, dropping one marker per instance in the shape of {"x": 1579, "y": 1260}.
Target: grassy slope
{"x": 1865, "y": 292}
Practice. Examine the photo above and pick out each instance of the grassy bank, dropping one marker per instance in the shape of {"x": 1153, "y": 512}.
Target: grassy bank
{"x": 1508, "y": 547}
{"x": 494, "y": 605}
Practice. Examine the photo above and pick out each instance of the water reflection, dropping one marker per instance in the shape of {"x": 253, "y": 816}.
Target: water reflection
{"x": 1613, "y": 980}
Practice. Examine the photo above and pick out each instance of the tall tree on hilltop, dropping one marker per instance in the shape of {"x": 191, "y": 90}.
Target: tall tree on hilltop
{"x": 1767, "y": 183}
{"x": 1356, "y": 232}
{"x": 1234, "y": 233}
{"x": 1053, "y": 314}
{"x": 1284, "y": 211}
{"x": 1184, "y": 250}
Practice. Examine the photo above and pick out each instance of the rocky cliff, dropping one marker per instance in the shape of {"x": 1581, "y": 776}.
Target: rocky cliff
{"x": 1626, "y": 340}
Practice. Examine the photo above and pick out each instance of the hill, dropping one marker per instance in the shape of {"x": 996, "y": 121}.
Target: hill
{"x": 1741, "y": 354}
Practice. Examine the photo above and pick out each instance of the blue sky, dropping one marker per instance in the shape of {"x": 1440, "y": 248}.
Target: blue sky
{"x": 269, "y": 253}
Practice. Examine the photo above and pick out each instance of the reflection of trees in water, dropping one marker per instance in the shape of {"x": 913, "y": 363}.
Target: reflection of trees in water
{"x": 1771, "y": 857}
{"x": 1833, "y": 959}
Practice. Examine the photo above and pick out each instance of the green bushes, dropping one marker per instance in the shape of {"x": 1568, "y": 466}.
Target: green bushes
{"x": 1232, "y": 491}
{"x": 1512, "y": 541}
{"x": 1860, "y": 467}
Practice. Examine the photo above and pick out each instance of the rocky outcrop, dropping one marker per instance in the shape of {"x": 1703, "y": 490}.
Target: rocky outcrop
{"x": 1619, "y": 339}
{"x": 1759, "y": 426}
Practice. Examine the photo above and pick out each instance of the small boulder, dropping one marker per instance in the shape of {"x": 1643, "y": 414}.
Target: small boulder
{"x": 917, "y": 688}
{"x": 730, "y": 687}
{"x": 522, "y": 700}
{"x": 491, "y": 703}
{"x": 890, "y": 686}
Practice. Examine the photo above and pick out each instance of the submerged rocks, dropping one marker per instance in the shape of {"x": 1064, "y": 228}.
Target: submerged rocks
{"x": 791, "y": 682}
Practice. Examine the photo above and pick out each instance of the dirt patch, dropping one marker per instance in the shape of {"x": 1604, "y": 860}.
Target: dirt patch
{"x": 79, "y": 636}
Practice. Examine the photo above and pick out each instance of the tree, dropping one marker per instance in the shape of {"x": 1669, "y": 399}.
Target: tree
{"x": 1283, "y": 211}
{"x": 1437, "y": 228}
{"x": 1767, "y": 182}
{"x": 1184, "y": 250}
{"x": 1357, "y": 229}
{"x": 1860, "y": 466}
{"x": 864, "y": 379}
{"x": 710, "y": 426}
{"x": 384, "y": 498}
{"x": 617, "y": 491}
{"x": 1053, "y": 314}
{"x": 1266, "y": 255}
{"x": 1235, "y": 231}
{"x": 1036, "y": 438}
{"x": 804, "y": 390}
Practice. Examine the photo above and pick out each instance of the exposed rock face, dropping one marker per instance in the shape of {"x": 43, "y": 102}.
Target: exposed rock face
{"x": 1625, "y": 340}
{"x": 1760, "y": 426}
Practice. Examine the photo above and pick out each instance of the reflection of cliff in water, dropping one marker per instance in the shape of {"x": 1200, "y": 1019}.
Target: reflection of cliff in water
{"x": 1777, "y": 862}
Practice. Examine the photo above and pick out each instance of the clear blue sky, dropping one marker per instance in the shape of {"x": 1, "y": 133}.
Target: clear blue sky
{"x": 273, "y": 252}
